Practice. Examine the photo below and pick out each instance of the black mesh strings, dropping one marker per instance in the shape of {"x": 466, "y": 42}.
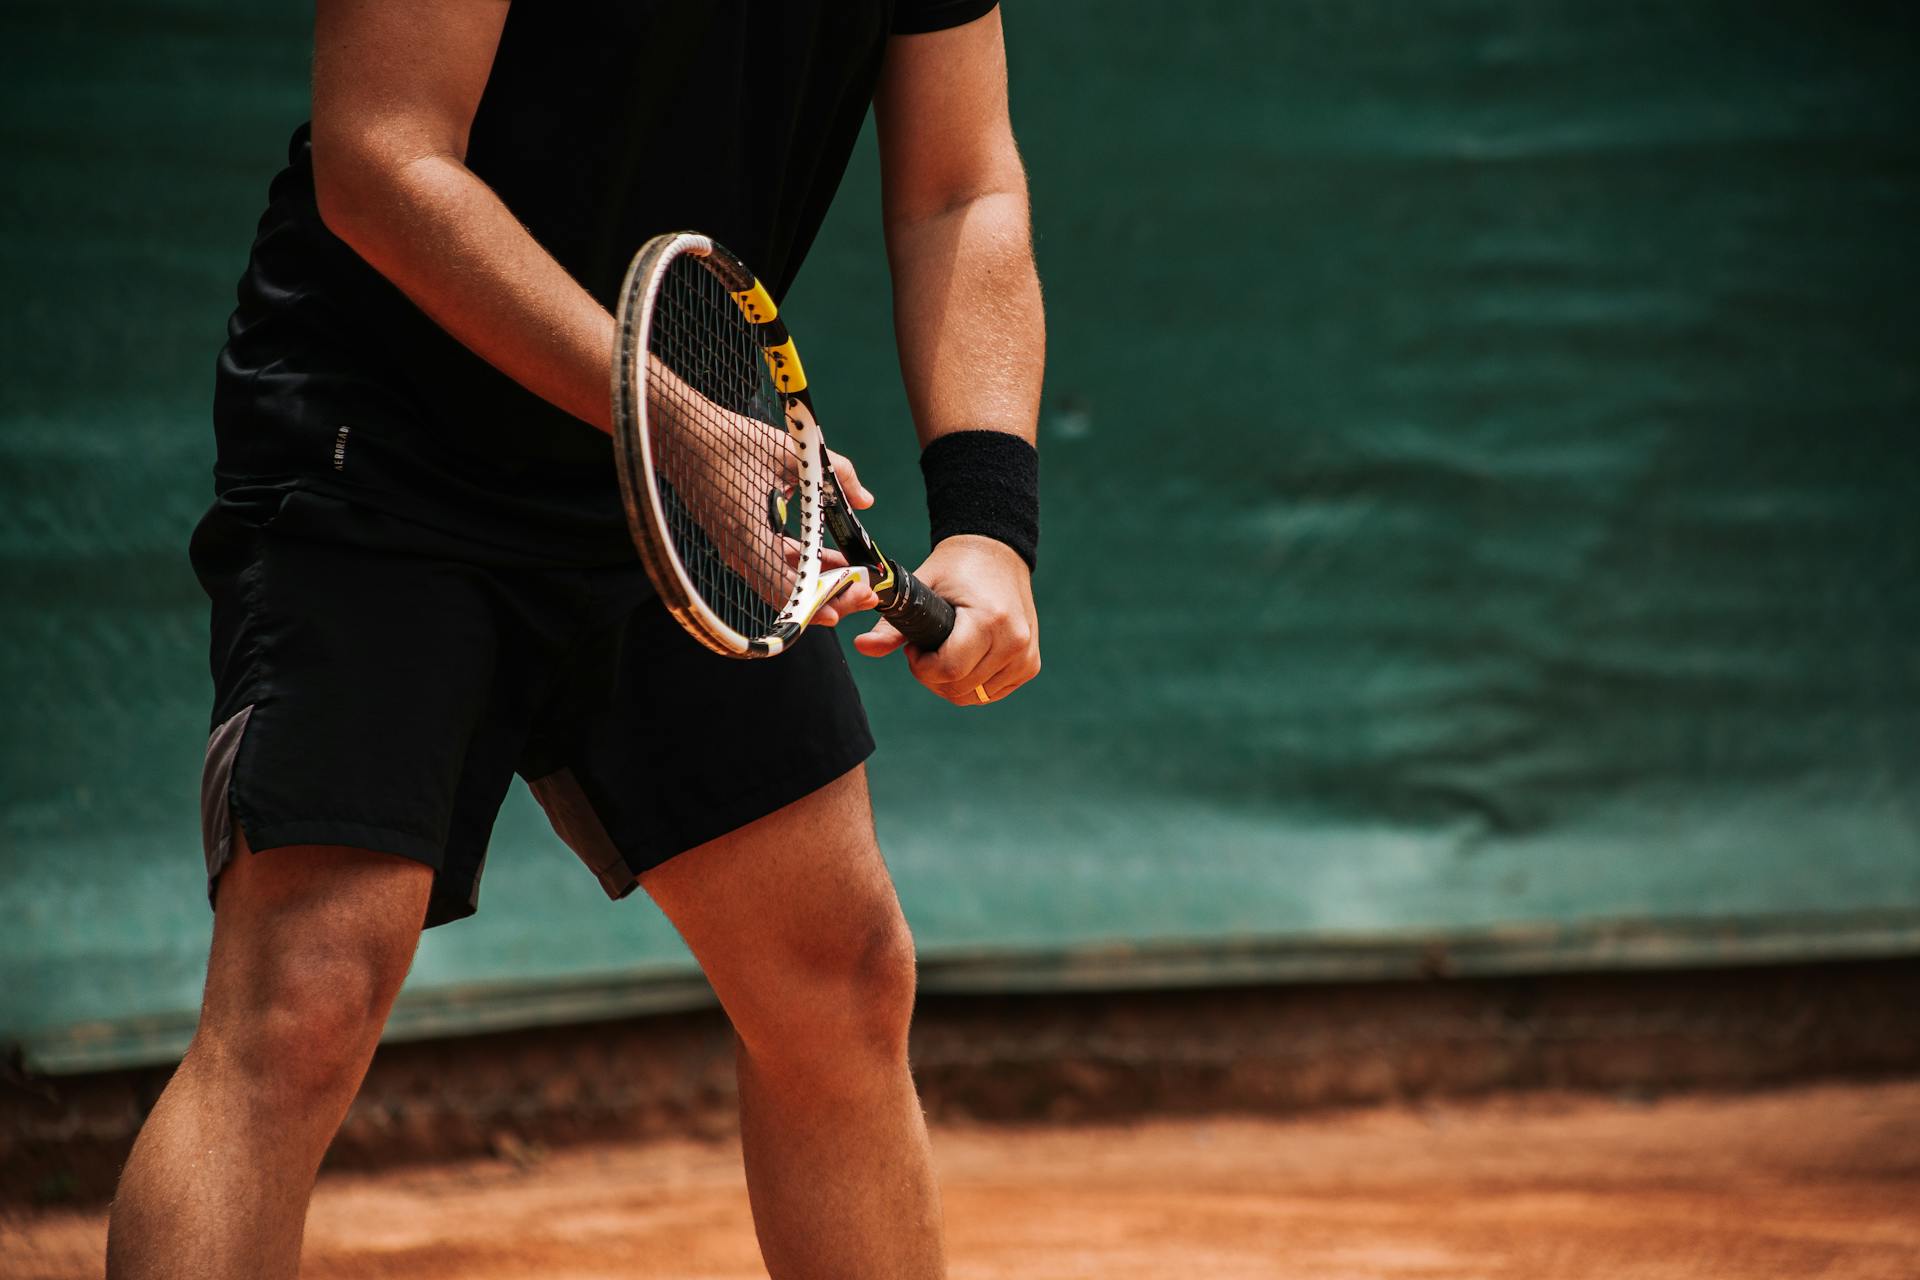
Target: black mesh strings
{"x": 721, "y": 454}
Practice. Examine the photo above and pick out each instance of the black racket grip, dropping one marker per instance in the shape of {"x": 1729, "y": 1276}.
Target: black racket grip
{"x": 916, "y": 612}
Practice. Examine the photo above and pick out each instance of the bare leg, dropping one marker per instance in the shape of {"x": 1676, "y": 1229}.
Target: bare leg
{"x": 795, "y": 921}
{"x": 309, "y": 948}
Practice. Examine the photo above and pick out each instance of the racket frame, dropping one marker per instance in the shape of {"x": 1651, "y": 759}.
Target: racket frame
{"x": 823, "y": 503}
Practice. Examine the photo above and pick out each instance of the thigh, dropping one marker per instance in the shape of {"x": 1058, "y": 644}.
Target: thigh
{"x": 792, "y": 903}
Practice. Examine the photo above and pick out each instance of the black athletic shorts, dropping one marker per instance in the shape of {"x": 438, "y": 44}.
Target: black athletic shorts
{"x": 381, "y": 699}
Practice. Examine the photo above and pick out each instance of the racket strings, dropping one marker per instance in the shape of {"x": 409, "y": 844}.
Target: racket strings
{"x": 722, "y": 456}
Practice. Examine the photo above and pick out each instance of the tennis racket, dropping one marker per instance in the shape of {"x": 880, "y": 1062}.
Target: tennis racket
{"x": 723, "y": 470}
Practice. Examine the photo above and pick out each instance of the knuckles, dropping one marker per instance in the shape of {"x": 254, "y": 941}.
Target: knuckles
{"x": 1009, "y": 625}
{"x": 944, "y": 670}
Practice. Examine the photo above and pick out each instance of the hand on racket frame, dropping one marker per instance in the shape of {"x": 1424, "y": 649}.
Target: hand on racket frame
{"x": 727, "y": 481}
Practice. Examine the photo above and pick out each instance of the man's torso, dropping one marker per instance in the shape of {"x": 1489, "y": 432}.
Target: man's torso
{"x": 602, "y": 124}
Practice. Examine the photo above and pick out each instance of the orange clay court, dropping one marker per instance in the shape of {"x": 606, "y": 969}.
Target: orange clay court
{"x": 1819, "y": 1180}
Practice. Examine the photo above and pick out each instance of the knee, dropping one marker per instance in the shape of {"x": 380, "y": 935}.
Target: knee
{"x": 303, "y": 1031}
{"x": 880, "y": 987}
{"x": 845, "y": 1002}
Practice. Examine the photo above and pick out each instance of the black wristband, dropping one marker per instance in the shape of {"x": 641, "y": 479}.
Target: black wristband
{"x": 988, "y": 483}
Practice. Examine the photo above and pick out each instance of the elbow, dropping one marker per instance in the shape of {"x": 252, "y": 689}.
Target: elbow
{"x": 1000, "y": 212}
{"x": 990, "y": 224}
{"x": 359, "y": 180}
{"x": 994, "y": 184}
{"x": 343, "y": 177}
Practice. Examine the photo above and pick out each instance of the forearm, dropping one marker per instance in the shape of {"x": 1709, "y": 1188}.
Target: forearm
{"x": 445, "y": 240}
{"x": 967, "y": 316}
{"x": 972, "y": 339}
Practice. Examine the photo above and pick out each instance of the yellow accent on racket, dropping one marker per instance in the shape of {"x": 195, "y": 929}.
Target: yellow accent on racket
{"x": 784, "y": 363}
{"x": 756, "y": 304}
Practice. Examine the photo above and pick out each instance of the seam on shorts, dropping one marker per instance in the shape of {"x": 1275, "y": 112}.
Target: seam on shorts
{"x": 259, "y": 667}
{"x": 216, "y": 792}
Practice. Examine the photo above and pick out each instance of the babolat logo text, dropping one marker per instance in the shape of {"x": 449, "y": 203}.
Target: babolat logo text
{"x": 340, "y": 449}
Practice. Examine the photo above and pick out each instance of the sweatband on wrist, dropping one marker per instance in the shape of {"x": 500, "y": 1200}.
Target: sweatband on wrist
{"x": 985, "y": 483}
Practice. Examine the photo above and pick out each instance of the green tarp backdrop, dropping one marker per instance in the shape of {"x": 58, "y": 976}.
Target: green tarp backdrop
{"x": 1482, "y": 508}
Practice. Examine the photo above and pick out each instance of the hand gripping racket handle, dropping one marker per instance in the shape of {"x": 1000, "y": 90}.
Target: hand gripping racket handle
{"x": 915, "y": 611}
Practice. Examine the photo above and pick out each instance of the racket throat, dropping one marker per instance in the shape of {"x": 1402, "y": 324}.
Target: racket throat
{"x": 832, "y": 584}
{"x": 847, "y": 532}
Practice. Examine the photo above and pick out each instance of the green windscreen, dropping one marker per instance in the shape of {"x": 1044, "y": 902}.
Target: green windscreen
{"x": 1482, "y": 527}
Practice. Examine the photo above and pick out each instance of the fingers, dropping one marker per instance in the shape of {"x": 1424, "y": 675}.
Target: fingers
{"x": 857, "y": 493}
{"x": 958, "y": 671}
{"x": 850, "y": 599}
{"x": 996, "y": 686}
{"x": 882, "y": 640}
{"x": 995, "y": 645}
{"x": 830, "y": 557}
{"x": 947, "y": 670}
{"x": 988, "y": 651}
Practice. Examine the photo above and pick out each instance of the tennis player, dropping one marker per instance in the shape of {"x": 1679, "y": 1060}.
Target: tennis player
{"x": 422, "y": 582}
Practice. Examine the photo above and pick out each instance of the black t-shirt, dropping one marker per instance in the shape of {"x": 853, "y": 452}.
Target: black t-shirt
{"x": 603, "y": 123}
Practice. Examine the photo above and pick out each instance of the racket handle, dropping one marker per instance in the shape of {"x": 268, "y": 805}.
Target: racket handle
{"x": 916, "y": 612}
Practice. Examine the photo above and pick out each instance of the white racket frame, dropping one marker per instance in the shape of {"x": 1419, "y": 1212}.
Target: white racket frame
{"x": 812, "y": 588}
